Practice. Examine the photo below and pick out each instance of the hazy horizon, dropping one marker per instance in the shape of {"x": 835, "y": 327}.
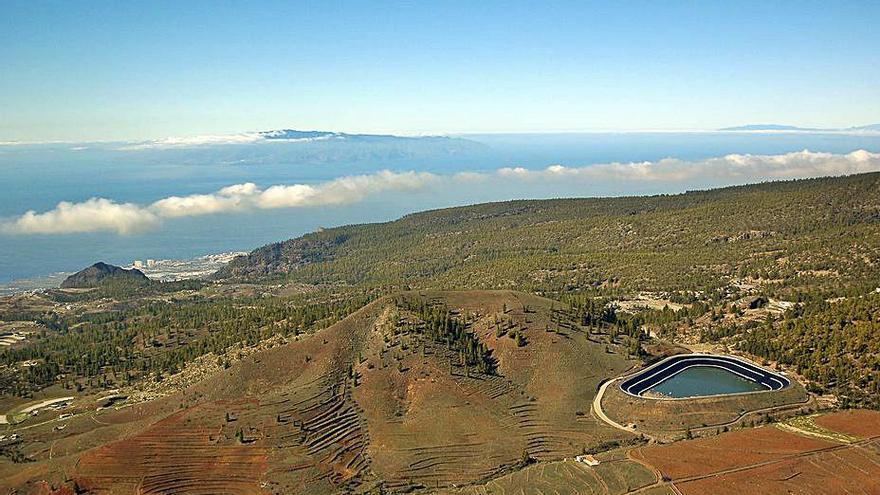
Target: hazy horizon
{"x": 68, "y": 206}
{"x": 138, "y": 130}
{"x": 148, "y": 70}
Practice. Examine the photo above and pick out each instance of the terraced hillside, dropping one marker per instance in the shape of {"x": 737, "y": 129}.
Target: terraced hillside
{"x": 377, "y": 400}
{"x": 569, "y": 477}
{"x": 440, "y": 392}
{"x": 443, "y": 424}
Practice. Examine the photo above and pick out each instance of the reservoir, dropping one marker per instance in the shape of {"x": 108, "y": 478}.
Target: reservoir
{"x": 699, "y": 375}
{"x": 703, "y": 380}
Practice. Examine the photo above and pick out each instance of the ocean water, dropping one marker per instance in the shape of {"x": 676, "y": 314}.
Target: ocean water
{"x": 38, "y": 177}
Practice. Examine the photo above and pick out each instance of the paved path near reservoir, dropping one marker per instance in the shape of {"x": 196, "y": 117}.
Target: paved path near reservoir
{"x": 597, "y": 410}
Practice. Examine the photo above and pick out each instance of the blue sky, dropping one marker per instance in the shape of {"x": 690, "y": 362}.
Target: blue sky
{"x": 137, "y": 70}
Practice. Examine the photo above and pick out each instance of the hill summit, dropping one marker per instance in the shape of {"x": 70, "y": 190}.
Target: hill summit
{"x": 99, "y": 273}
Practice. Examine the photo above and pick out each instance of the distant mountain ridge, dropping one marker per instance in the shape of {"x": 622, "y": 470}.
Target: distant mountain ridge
{"x": 782, "y": 127}
{"x": 101, "y": 272}
{"x": 296, "y": 135}
{"x": 293, "y": 134}
{"x": 289, "y": 135}
{"x": 309, "y": 146}
{"x": 869, "y": 127}
{"x": 310, "y": 151}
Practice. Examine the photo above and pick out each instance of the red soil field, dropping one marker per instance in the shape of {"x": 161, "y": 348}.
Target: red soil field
{"x": 843, "y": 470}
{"x": 174, "y": 455}
{"x": 727, "y": 451}
{"x": 860, "y": 423}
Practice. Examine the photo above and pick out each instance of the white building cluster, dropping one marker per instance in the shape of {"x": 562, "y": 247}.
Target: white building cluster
{"x": 144, "y": 264}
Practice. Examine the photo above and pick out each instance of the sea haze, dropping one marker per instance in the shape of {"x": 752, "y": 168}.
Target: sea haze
{"x": 39, "y": 176}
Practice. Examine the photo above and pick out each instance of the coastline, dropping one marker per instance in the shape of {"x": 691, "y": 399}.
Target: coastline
{"x": 163, "y": 270}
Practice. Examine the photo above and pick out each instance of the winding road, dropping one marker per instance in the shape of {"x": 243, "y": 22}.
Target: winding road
{"x": 597, "y": 410}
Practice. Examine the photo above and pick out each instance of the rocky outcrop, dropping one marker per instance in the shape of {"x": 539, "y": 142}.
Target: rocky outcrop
{"x": 100, "y": 273}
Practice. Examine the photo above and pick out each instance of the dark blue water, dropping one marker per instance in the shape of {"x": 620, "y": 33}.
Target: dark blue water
{"x": 38, "y": 177}
{"x": 700, "y": 381}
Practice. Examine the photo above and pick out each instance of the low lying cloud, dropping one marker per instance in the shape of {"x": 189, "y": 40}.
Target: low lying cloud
{"x": 205, "y": 140}
{"x": 96, "y": 214}
{"x": 99, "y": 214}
{"x": 221, "y": 139}
{"x": 735, "y": 168}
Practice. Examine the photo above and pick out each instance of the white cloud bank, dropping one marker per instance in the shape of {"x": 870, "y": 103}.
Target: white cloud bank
{"x": 99, "y": 214}
{"x": 204, "y": 140}
{"x": 735, "y": 168}
{"x": 223, "y": 139}
{"x": 93, "y": 215}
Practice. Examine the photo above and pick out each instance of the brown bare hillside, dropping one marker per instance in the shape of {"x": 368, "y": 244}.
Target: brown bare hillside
{"x": 373, "y": 401}
{"x": 436, "y": 423}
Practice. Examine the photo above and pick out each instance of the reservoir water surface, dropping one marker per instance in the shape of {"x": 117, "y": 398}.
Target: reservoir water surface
{"x": 700, "y": 381}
